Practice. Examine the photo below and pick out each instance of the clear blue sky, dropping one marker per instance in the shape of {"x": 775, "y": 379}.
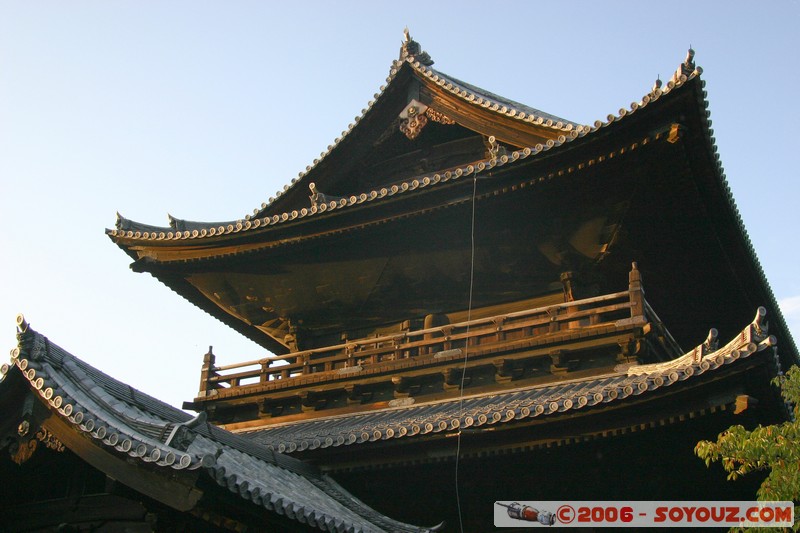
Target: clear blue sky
{"x": 204, "y": 109}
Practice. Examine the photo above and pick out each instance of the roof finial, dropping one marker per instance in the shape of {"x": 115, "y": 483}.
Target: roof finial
{"x": 689, "y": 61}
{"x": 412, "y": 50}
{"x": 318, "y": 198}
{"x": 121, "y": 222}
{"x": 687, "y": 67}
{"x": 22, "y": 324}
{"x": 657, "y": 84}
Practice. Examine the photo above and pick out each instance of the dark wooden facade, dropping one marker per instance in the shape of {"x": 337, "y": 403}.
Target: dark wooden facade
{"x": 388, "y": 237}
{"x": 452, "y": 281}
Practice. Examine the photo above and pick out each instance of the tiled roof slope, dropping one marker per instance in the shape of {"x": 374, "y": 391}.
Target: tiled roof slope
{"x": 124, "y": 421}
{"x": 515, "y": 406}
{"x": 687, "y": 78}
{"x": 412, "y": 57}
{"x": 470, "y": 94}
{"x": 183, "y": 230}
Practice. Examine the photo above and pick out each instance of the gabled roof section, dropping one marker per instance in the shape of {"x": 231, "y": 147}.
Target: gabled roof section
{"x": 410, "y": 79}
{"x": 525, "y": 405}
{"x": 89, "y": 407}
{"x": 431, "y": 93}
{"x": 278, "y": 211}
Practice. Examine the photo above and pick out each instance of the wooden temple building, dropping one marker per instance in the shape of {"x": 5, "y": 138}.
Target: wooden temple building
{"x": 465, "y": 297}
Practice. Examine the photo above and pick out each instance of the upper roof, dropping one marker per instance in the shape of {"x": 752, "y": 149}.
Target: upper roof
{"x": 664, "y": 136}
{"x": 536, "y": 126}
{"x": 530, "y": 404}
{"x": 142, "y": 431}
{"x": 446, "y": 100}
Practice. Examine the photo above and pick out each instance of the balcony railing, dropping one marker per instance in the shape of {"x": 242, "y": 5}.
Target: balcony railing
{"x": 502, "y": 333}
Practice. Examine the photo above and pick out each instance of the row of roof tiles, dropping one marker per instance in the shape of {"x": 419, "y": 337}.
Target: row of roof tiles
{"x": 501, "y": 106}
{"x": 469, "y": 93}
{"x": 131, "y": 424}
{"x": 126, "y": 228}
{"x": 194, "y": 230}
{"x": 516, "y": 405}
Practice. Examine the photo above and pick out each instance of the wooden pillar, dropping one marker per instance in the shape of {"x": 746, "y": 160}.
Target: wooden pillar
{"x": 432, "y": 321}
{"x": 569, "y": 284}
{"x": 636, "y": 291}
{"x": 571, "y": 293}
{"x": 207, "y": 372}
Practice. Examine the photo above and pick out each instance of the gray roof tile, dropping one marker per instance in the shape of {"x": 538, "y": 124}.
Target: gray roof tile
{"x": 510, "y": 406}
{"x": 127, "y": 421}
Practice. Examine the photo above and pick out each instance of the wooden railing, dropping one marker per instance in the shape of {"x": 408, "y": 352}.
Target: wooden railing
{"x": 619, "y": 308}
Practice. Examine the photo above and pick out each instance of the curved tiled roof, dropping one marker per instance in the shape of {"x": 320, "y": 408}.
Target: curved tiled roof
{"x": 133, "y": 233}
{"x": 493, "y": 102}
{"x": 130, "y": 424}
{"x": 516, "y": 405}
{"x": 412, "y": 56}
{"x": 180, "y": 230}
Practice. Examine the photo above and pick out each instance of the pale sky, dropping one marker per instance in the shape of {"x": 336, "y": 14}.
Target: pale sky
{"x": 203, "y": 109}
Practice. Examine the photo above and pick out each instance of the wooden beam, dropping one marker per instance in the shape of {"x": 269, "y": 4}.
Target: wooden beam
{"x": 176, "y": 490}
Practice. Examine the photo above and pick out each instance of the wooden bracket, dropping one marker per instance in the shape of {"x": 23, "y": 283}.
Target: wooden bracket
{"x": 312, "y": 401}
{"x": 743, "y": 403}
{"x": 559, "y": 363}
{"x": 453, "y": 378}
{"x": 358, "y": 394}
{"x": 507, "y": 370}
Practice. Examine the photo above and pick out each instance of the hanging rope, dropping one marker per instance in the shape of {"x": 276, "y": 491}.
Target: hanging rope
{"x": 466, "y": 345}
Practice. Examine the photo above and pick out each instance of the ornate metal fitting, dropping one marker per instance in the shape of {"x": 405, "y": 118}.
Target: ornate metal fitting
{"x": 413, "y": 109}
{"x": 50, "y": 440}
{"x": 436, "y": 116}
{"x": 23, "y": 428}
{"x": 413, "y": 127}
{"x": 675, "y": 131}
{"x": 413, "y": 119}
{"x": 22, "y": 451}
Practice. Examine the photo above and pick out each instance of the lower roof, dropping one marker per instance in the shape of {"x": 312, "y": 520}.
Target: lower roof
{"x": 515, "y": 408}
{"x": 89, "y": 410}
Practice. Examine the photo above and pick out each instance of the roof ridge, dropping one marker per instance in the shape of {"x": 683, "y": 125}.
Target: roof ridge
{"x": 184, "y": 229}
{"x": 411, "y": 50}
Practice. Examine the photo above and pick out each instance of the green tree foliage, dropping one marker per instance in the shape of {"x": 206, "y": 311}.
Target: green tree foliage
{"x": 775, "y": 448}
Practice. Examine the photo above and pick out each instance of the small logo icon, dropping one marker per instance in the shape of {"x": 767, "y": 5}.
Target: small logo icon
{"x": 528, "y": 513}
{"x": 565, "y": 514}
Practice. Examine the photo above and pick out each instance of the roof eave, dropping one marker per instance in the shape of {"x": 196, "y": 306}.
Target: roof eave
{"x": 161, "y": 451}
